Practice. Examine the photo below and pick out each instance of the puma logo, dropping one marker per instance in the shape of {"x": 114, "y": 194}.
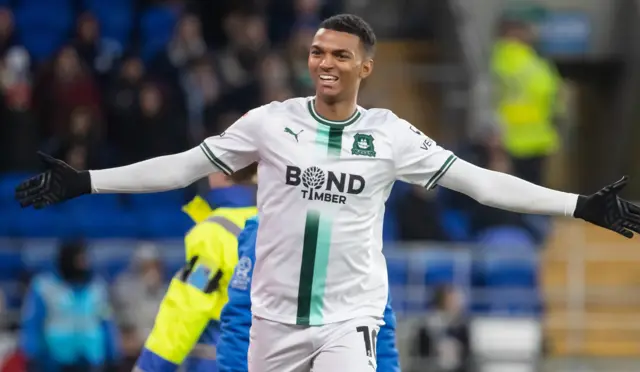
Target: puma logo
{"x": 294, "y": 134}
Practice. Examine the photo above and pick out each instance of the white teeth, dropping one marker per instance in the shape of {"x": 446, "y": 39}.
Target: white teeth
{"x": 328, "y": 78}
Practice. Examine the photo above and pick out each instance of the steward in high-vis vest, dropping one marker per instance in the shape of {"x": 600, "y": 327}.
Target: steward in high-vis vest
{"x": 527, "y": 90}
{"x": 187, "y": 325}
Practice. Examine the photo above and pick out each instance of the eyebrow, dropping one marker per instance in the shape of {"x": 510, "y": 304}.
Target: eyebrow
{"x": 333, "y": 51}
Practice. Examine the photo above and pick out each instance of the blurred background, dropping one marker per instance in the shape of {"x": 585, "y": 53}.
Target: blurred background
{"x": 546, "y": 90}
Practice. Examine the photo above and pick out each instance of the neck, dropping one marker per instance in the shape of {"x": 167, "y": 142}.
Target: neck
{"x": 336, "y": 111}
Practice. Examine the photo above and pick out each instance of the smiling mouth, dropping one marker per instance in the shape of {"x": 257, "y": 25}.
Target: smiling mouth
{"x": 328, "y": 78}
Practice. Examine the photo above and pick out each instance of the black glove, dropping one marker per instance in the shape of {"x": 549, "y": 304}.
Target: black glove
{"x": 607, "y": 210}
{"x": 58, "y": 183}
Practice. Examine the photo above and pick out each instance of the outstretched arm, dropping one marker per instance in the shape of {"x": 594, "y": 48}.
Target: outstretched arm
{"x": 419, "y": 160}
{"x": 232, "y": 150}
{"x": 158, "y": 174}
{"x": 504, "y": 191}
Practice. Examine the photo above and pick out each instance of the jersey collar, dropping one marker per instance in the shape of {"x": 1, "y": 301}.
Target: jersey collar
{"x": 312, "y": 110}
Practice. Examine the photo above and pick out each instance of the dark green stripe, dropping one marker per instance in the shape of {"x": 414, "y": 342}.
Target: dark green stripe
{"x": 443, "y": 169}
{"x": 356, "y": 115}
{"x": 309, "y": 247}
{"x": 335, "y": 141}
{"x": 213, "y": 159}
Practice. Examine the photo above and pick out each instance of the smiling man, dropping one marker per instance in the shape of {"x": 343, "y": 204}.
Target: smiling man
{"x": 319, "y": 285}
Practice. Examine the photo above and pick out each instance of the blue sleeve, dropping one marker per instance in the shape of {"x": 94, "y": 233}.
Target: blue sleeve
{"x": 109, "y": 326}
{"x": 112, "y": 340}
{"x": 235, "y": 320}
{"x": 386, "y": 350}
{"x": 32, "y": 324}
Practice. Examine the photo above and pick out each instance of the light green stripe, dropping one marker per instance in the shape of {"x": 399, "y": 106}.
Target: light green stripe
{"x": 443, "y": 169}
{"x": 329, "y": 140}
{"x": 322, "y": 136}
{"x": 320, "y": 270}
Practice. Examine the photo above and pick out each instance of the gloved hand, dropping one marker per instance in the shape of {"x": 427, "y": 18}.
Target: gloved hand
{"x": 58, "y": 183}
{"x": 606, "y": 209}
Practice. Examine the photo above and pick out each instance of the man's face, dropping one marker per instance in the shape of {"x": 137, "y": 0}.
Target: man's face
{"x": 337, "y": 63}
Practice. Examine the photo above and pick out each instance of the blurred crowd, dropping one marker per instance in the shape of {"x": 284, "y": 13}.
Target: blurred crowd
{"x": 119, "y": 82}
{"x": 108, "y": 83}
{"x": 105, "y": 85}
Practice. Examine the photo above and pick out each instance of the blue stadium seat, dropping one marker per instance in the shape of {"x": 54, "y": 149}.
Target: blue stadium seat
{"x": 163, "y": 223}
{"x": 94, "y": 203}
{"x": 440, "y": 270}
{"x": 510, "y": 273}
{"x": 104, "y": 223}
{"x": 11, "y": 263}
{"x": 8, "y": 183}
{"x": 156, "y": 29}
{"x": 115, "y": 18}
{"x": 511, "y": 258}
{"x": 11, "y": 290}
{"x": 110, "y": 257}
{"x": 398, "y": 270}
{"x": 39, "y": 254}
{"x": 44, "y": 223}
{"x": 40, "y": 33}
{"x": 169, "y": 199}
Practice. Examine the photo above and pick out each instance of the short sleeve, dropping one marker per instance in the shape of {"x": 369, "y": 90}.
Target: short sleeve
{"x": 237, "y": 147}
{"x": 418, "y": 159}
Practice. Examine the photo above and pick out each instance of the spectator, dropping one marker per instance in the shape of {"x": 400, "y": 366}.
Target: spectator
{"x": 19, "y": 131}
{"x": 69, "y": 86}
{"x": 82, "y": 146}
{"x": 96, "y": 53}
{"x": 307, "y": 14}
{"x": 203, "y": 91}
{"x": 527, "y": 88}
{"x": 298, "y": 56}
{"x": 188, "y": 43}
{"x": 66, "y": 317}
{"x": 157, "y": 131}
{"x": 275, "y": 79}
{"x": 443, "y": 338}
{"x": 419, "y": 216}
{"x": 138, "y": 293}
{"x": 122, "y": 103}
{"x": 240, "y": 61}
{"x": 7, "y": 37}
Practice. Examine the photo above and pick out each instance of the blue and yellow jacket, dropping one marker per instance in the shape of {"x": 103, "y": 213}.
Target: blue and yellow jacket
{"x": 187, "y": 324}
{"x": 53, "y": 313}
{"x": 235, "y": 321}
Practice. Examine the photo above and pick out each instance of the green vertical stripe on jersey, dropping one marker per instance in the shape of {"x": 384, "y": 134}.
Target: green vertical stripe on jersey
{"x": 329, "y": 139}
{"x": 335, "y": 141}
{"x": 443, "y": 169}
{"x": 309, "y": 248}
{"x": 320, "y": 270}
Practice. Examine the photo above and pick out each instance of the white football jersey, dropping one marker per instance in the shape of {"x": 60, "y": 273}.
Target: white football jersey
{"x": 322, "y": 187}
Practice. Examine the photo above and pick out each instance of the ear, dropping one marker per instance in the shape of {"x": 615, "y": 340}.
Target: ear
{"x": 367, "y": 68}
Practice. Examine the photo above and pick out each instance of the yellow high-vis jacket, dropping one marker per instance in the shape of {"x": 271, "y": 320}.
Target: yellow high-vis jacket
{"x": 187, "y": 320}
{"x": 527, "y": 92}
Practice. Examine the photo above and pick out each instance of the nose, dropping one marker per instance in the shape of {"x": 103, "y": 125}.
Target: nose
{"x": 326, "y": 63}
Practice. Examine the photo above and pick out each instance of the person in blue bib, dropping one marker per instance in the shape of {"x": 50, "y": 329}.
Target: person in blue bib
{"x": 235, "y": 319}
